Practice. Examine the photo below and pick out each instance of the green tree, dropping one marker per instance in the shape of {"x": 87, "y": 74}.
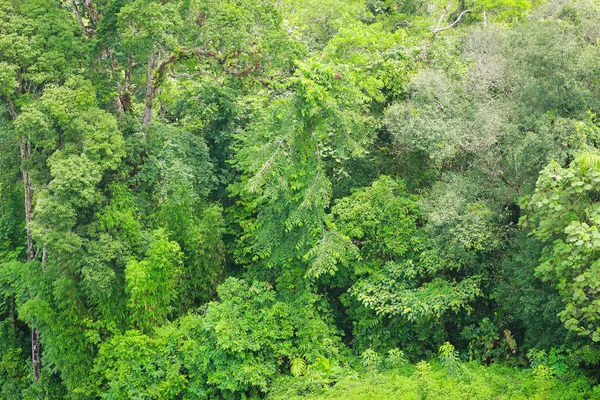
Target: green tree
{"x": 39, "y": 45}
{"x": 562, "y": 214}
{"x": 288, "y": 159}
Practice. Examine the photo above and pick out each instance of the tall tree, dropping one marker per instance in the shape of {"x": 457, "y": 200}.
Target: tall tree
{"x": 39, "y": 44}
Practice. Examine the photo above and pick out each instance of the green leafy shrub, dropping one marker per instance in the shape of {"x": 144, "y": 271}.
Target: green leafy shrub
{"x": 432, "y": 381}
{"x": 235, "y": 348}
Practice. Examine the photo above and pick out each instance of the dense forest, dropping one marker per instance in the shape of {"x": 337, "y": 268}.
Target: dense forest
{"x": 323, "y": 199}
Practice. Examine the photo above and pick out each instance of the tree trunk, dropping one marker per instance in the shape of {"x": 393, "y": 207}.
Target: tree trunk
{"x": 118, "y": 100}
{"x": 25, "y": 150}
{"x": 35, "y": 337}
{"x": 150, "y": 91}
{"x": 28, "y": 203}
{"x": 91, "y": 9}
{"x": 35, "y": 354}
{"x": 162, "y": 109}
{"x": 36, "y": 361}
{"x": 126, "y": 99}
{"x": 78, "y": 15}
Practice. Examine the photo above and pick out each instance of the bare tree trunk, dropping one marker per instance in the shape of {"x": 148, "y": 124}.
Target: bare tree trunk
{"x": 150, "y": 92}
{"x": 126, "y": 99}
{"x": 124, "y": 93}
{"x": 162, "y": 109}
{"x": 13, "y": 314}
{"x": 25, "y": 150}
{"x": 439, "y": 28}
{"x": 123, "y": 100}
{"x": 36, "y": 360}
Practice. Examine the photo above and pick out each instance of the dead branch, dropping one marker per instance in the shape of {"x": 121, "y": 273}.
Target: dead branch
{"x": 439, "y": 29}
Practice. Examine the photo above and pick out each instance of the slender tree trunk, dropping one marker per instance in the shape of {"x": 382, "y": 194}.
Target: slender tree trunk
{"x": 35, "y": 354}
{"x": 126, "y": 99}
{"x": 25, "y": 150}
{"x": 78, "y": 15}
{"x": 162, "y": 109}
{"x": 28, "y": 194}
{"x": 119, "y": 97}
{"x": 150, "y": 92}
{"x": 13, "y": 314}
{"x": 35, "y": 337}
{"x": 123, "y": 100}
{"x": 36, "y": 361}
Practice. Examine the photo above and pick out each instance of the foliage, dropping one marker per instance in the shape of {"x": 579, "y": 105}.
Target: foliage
{"x": 274, "y": 198}
{"x": 398, "y": 274}
{"x": 236, "y": 346}
{"x": 449, "y": 358}
{"x": 494, "y": 382}
{"x": 151, "y": 283}
{"x": 288, "y": 168}
{"x": 563, "y": 215}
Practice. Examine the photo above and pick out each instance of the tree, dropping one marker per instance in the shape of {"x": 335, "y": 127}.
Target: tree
{"x": 287, "y": 167}
{"x": 563, "y": 215}
{"x": 144, "y": 40}
{"x": 235, "y": 348}
{"x": 400, "y": 282}
{"x": 39, "y": 45}
{"x": 76, "y": 145}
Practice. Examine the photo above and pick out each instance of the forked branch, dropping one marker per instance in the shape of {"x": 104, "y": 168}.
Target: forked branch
{"x": 439, "y": 27}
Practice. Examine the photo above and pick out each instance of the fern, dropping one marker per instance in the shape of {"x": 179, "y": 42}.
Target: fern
{"x": 449, "y": 358}
{"x": 590, "y": 355}
{"x": 297, "y": 366}
{"x": 589, "y": 160}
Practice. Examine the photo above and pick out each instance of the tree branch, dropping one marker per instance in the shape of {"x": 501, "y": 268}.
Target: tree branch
{"x": 91, "y": 9}
{"x": 438, "y": 29}
{"x": 78, "y": 15}
{"x": 156, "y": 77}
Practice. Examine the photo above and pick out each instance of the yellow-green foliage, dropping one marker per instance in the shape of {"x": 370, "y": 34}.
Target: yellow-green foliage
{"x": 432, "y": 381}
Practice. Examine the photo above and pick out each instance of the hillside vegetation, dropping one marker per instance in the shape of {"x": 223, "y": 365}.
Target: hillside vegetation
{"x": 332, "y": 199}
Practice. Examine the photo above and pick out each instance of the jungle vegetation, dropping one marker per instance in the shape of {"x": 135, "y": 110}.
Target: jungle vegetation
{"x": 243, "y": 199}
